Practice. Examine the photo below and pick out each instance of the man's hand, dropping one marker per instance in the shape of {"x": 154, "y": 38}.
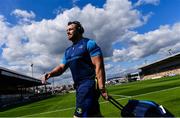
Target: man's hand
{"x": 104, "y": 93}
{"x": 45, "y": 77}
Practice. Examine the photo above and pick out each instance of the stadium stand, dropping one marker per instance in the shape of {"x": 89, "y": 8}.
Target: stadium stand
{"x": 133, "y": 76}
{"x": 169, "y": 66}
{"x": 17, "y": 88}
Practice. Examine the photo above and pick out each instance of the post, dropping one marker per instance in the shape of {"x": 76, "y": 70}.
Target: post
{"x": 32, "y": 69}
{"x": 170, "y": 51}
{"x": 53, "y": 86}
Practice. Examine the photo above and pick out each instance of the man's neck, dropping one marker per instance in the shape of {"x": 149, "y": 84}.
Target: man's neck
{"x": 77, "y": 39}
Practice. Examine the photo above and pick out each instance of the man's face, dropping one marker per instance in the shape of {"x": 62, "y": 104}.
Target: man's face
{"x": 72, "y": 32}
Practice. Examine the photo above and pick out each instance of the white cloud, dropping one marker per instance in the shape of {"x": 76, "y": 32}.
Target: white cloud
{"x": 142, "y": 2}
{"x": 2, "y": 18}
{"x": 108, "y": 66}
{"x": 59, "y": 10}
{"x": 114, "y": 69}
{"x": 44, "y": 42}
{"x": 23, "y": 15}
{"x": 74, "y": 2}
{"x": 143, "y": 45}
{"x": 3, "y": 30}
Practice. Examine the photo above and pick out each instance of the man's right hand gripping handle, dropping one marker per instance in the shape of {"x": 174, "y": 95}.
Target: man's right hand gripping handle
{"x": 45, "y": 78}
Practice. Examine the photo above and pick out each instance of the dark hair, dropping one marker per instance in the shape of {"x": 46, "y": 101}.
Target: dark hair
{"x": 79, "y": 26}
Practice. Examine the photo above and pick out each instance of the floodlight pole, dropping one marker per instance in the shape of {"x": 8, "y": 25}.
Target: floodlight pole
{"x": 145, "y": 61}
{"x": 170, "y": 51}
{"x": 53, "y": 86}
{"x": 32, "y": 69}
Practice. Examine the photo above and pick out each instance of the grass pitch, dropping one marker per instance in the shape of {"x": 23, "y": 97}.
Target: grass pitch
{"x": 164, "y": 91}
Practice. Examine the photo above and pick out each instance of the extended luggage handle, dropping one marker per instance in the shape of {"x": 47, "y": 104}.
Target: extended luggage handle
{"x": 115, "y": 103}
{"x": 120, "y": 106}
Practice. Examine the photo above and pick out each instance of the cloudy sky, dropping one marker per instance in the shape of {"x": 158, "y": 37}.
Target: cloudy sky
{"x": 130, "y": 32}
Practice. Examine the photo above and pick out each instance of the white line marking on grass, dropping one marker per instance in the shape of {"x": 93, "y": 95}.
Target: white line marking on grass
{"x": 125, "y": 97}
{"x": 144, "y": 93}
{"x": 157, "y": 91}
{"x": 108, "y": 101}
{"x": 50, "y": 111}
{"x": 64, "y": 109}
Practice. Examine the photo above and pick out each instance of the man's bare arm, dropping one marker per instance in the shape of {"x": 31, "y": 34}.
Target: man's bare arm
{"x": 55, "y": 72}
{"x": 100, "y": 74}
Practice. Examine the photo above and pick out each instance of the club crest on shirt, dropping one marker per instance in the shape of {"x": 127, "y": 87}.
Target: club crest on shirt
{"x": 80, "y": 47}
{"x": 79, "y": 110}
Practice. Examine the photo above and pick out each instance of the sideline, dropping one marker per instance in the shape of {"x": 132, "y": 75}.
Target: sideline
{"x": 125, "y": 97}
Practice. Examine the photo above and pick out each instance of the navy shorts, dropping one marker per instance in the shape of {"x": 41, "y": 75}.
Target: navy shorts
{"x": 87, "y": 96}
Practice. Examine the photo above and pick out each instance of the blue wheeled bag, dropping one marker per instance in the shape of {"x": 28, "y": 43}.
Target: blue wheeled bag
{"x": 141, "y": 108}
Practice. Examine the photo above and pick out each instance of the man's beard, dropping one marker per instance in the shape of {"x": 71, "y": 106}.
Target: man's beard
{"x": 74, "y": 37}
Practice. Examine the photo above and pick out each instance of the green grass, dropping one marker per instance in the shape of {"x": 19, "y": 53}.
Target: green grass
{"x": 164, "y": 91}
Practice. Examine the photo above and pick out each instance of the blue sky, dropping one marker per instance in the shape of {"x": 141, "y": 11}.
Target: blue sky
{"x": 166, "y": 12}
{"x": 44, "y": 9}
{"x": 130, "y": 33}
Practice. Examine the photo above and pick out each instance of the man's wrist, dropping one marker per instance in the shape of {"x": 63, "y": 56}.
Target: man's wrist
{"x": 102, "y": 90}
{"x": 47, "y": 75}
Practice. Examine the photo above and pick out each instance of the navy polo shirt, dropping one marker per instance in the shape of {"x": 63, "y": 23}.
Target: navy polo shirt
{"x": 78, "y": 58}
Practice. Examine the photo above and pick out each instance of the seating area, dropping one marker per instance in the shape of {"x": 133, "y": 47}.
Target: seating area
{"x": 163, "y": 74}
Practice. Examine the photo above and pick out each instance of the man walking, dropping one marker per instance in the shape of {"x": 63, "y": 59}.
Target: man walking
{"x": 85, "y": 60}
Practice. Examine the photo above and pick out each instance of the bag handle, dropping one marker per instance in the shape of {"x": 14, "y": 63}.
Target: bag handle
{"x": 115, "y": 103}
{"x": 120, "y": 106}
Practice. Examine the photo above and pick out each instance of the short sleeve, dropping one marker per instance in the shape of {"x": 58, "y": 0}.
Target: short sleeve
{"x": 93, "y": 48}
{"x": 63, "y": 60}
